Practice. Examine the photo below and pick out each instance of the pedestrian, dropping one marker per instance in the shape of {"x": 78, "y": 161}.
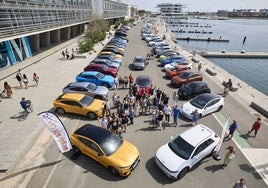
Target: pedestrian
{"x": 154, "y": 117}
{"x": 225, "y": 90}
{"x": 104, "y": 122}
{"x": 230, "y": 154}
{"x": 67, "y": 54}
{"x": 240, "y": 184}
{"x": 116, "y": 83}
{"x": 130, "y": 80}
{"x": 175, "y": 98}
{"x": 199, "y": 67}
{"x": 25, "y": 80}
{"x": 35, "y": 79}
{"x": 175, "y": 114}
{"x": 124, "y": 123}
{"x": 107, "y": 107}
{"x": 256, "y": 127}
{"x": 167, "y": 112}
{"x": 19, "y": 79}
{"x": 195, "y": 117}
{"x": 7, "y": 90}
{"x": 232, "y": 129}
{"x": 160, "y": 119}
{"x": 131, "y": 115}
{"x": 63, "y": 54}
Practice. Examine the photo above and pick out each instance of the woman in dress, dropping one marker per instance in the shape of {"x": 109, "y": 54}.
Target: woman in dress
{"x": 230, "y": 154}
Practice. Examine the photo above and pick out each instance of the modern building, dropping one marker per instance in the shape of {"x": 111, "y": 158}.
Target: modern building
{"x": 28, "y": 26}
{"x": 171, "y": 10}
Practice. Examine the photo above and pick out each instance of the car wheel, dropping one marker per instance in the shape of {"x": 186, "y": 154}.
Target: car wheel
{"x": 183, "y": 172}
{"x": 219, "y": 109}
{"x": 98, "y": 97}
{"x": 105, "y": 85}
{"x": 200, "y": 116}
{"x": 60, "y": 111}
{"x": 92, "y": 116}
{"x": 113, "y": 171}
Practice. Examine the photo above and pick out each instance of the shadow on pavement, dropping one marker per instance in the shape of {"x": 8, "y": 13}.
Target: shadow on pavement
{"x": 251, "y": 170}
{"x": 214, "y": 168}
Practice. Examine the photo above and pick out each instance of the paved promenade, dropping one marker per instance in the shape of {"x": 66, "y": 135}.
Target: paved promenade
{"x": 255, "y": 150}
{"x": 18, "y": 136}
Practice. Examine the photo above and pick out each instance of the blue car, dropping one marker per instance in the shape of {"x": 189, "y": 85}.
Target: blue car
{"x": 176, "y": 58}
{"x": 96, "y": 78}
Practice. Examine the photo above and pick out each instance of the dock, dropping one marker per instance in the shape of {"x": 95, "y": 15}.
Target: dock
{"x": 203, "y": 39}
{"x": 242, "y": 54}
{"x": 192, "y": 31}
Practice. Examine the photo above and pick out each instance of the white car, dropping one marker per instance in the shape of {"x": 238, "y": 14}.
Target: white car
{"x": 179, "y": 155}
{"x": 156, "y": 42}
{"x": 205, "y": 104}
{"x": 174, "y": 64}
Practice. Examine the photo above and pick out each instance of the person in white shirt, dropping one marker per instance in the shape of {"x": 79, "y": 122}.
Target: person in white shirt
{"x": 167, "y": 111}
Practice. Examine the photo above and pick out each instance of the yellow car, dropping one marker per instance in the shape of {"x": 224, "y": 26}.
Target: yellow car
{"x": 118, "y": 56}
{"x": 114, "y": 153}
{"x": 79, "y": 104}
{"x": 118, "y": 48}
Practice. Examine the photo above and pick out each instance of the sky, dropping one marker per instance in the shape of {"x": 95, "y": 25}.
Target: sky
{"x": 202, "y": 5}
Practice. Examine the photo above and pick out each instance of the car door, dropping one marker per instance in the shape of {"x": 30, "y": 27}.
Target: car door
{"x": 77, "y": 108}
{"x": 211, "y": 106}
{"x": 203, "y": 150}
{"x": 91, "y": 149}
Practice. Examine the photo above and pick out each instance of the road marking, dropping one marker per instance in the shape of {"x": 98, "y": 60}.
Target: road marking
{"x": 59, "y": 158}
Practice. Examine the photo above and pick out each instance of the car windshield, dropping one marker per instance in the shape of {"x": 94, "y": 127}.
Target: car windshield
{"x": 111, "y": 144}
{"x": 184, "y": 75}
{"x": 91, "y": 87}
{"x": 144, "y": 82}
{"x": 199, "y": 102}
{"x": 174, "y": 64}
{"x": 86, "y": 100}
{"x": 189, "y": 87}
{"x": 105, "y": 67}
{"x": 181, "y": 148}
{"x": 138, "y": 60}
{"x": 100, "y": 76}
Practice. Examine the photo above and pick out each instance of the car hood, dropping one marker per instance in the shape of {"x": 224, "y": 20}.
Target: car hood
{"x": 114, "y": 64}
{"x": 125, "y": 155}
{"x": 96, "y": 105}
{"x": 189, "y": 108}
{"x": 168, "y": 158}
{"x": 108, "y": 78}
{"x": 102, "y": 90}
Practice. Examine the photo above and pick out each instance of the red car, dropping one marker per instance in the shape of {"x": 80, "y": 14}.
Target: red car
{"x": 104, "y": 69}
{"x": 145, "y": 85}
{"x": 186, "y": 77}
{"x": 177, "y": 70}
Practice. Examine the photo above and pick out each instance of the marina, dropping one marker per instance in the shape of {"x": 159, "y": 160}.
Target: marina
{"x": 203, "y": 39}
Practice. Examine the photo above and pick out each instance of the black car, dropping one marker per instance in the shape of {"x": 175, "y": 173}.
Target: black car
{"x": 192, "y": 89}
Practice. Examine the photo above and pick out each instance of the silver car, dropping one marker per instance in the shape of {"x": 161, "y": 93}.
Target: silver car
{"x": 139, "y": 63}
{"x": 97, "y": 92}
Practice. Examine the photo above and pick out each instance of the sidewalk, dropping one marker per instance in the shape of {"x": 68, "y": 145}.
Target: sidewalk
{"x": 16, "y": 135}
{"x": 245, "y": 95}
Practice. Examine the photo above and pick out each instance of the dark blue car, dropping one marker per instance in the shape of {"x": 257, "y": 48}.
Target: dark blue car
{"x": 176, "y": 58}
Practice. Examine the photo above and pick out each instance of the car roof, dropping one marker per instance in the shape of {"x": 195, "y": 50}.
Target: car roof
{"x": 197, "y": 83}
{"x": 207, "y": 96}
{"x": 95, "y": 133}
{"x": 138, "y": 57}
{"x": 75, "y": 96}
{"x": 143, "y": 77}
{"x": 79, "y": 84}
{"x": 89, "y": 73}
{"x": 197, "y": 134}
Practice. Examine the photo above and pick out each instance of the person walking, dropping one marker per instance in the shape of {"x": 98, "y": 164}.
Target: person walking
{"x": 240, "y": 184}
{"x": 167, "y": 112}
{"x": 35, "y": 79}
{"x": 160, "y": 120}
{"x": 195, "y": 117}
{"x": 175, "y": 98}
{"x": 25, "y": 81}
{"x": 232, "y": 129}
{"x": 175, "y": 114}
{"x": 67, "y": 54}
{"x": 19, "y": 79}
{"x": 230, "y": 154}
{"x": 116, "y": 83}
{"x": 130, "y": 80}
{"x": 199, "y": 67}
{"x": 256, "y": 127}
{"x": 63, "y": 54}
{"x": 7, "y": 90}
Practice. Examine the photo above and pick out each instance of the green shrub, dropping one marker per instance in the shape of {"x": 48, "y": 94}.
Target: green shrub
{"x": 85, "y": 45}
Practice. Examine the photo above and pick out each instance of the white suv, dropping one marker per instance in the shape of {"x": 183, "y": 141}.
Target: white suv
{"x": 178, "y": 156}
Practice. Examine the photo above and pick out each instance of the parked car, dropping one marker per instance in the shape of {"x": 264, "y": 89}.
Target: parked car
{"x": 81, "y": 104}
{"x": 97, "y": 92}
{"x": 178, "y": 156}
{"x": 175, "y": 58}
{"x": 102, "y": 68}
{"x": 144, "y": 84}
{"x": 186, "y": 77}
{"x": 157, "y": 49}
{"x": 120, "y": 33}
{"x": 165, "y": 52}
{"x": 119, "y": 156}
{"x": 157, "y": 42}
{"x": 111, "y": 58}
{"x": 177, "y": 70}
{"x": 174, "y": 64}
{"x": 192, "y": 89}
{"x": 116, "y": 56}
{"x": 96, "y": 78}
{"x": 205, "y": 104}
{"x": 106, "y": 62}
{"x": 114, "y": 50}
{"x": 139, "y": 63}
{"x": 168, "y": 55}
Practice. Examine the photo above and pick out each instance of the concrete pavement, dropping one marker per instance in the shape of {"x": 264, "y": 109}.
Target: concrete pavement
{"x": 18, "y": 136}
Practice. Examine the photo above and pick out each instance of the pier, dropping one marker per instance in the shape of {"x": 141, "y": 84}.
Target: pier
{"x": 242, "y": 54}
{"x": 192, "y": 31}
{"x": 203, "y": 39}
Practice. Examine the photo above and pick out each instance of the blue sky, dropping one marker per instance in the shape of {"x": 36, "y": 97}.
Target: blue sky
{"x": 202, "y": 5}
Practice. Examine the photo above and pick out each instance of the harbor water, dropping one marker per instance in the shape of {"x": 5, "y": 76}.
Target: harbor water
{"x": 254, "y": 31}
